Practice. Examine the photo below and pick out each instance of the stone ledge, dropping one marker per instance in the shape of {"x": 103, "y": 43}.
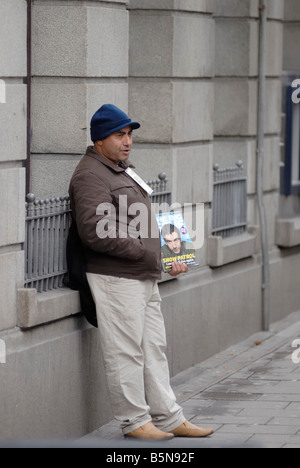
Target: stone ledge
{"x": 249, "y": 8}
{"x": 35, "y": 309}
{"x": 223, "y": 251}
{"x": 288, "y": 232}
{"x": 199, "y": 6}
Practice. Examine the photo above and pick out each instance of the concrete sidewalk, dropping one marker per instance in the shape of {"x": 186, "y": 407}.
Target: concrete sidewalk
{"x": 249, "y": 394}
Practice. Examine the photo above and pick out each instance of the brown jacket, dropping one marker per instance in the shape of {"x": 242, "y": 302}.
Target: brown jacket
{"x": 97, "y": 181}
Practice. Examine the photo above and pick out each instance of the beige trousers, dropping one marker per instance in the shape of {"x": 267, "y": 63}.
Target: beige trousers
{"x": 133, "y": 342}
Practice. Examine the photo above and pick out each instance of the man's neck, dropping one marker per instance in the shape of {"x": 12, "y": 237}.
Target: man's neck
{"x": 96, "y": 148}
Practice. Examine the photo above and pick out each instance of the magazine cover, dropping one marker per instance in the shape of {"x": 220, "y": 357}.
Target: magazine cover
{"x": 176, "y": 243}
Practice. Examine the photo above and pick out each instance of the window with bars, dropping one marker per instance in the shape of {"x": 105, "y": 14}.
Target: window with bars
{"x": 229, "y": 209}
{"x": 290, "y": 170}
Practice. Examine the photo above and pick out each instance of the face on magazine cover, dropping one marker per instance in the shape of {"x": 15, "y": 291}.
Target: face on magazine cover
{"x": 173, "y": 241}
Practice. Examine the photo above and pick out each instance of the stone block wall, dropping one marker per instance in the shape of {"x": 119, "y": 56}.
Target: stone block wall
{"x": 236, "y": 88}
{"x": 13, "y": 128}
{"x": 171, "y": 66}
{"x": 291, "y": 59}
{"x": 80, "y": 60}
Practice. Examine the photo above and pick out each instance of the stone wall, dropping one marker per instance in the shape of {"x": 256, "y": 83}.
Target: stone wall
{"x": 13, "y": 121}
{"x": 80, "y": 60}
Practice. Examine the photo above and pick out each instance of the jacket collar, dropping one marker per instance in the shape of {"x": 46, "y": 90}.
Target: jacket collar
{"x": 92, "y": 153}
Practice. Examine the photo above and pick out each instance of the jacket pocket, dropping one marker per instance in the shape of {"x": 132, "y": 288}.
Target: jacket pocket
{"x": 152, "y": 257}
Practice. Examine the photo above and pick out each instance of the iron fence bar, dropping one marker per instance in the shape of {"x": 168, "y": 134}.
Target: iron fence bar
{"x": 229, "y": 215}
{"x": 42, "y": 277}
{"x": 47, "y": 227}
{"x": 228, "y": 181}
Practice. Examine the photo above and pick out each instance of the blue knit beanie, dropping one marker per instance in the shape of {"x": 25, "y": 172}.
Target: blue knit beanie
{"x": 109, "y": 119}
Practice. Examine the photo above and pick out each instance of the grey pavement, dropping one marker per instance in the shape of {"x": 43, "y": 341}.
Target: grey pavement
{"x": 249, "y": 394}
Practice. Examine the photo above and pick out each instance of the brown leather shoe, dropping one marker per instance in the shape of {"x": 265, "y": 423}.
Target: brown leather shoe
{"x": 149, "y": 432}
{"x": 188, "y": 429}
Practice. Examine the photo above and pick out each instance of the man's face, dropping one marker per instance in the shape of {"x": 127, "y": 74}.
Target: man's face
{"x": 116, "y": 147}
{"x": 173, "y": 241}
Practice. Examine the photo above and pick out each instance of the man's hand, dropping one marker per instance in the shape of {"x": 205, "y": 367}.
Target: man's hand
{"x": 178, "y": 269}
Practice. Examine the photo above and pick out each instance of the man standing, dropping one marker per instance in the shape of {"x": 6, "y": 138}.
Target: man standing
{"x": 123, "y": 265}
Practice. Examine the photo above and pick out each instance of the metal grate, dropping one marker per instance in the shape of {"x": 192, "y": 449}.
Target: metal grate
{"x": 229, "y": 201}
{"x": 47, "y": 229}
{"x": 161, "y": 194}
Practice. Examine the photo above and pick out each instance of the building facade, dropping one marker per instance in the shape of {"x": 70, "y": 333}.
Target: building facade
{"x": 188, "y": 70}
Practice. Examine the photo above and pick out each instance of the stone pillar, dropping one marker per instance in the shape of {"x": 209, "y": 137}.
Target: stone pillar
{"x": 80, "y": 61}
{"x": 236, "y": 88}
{"x": 171, "y": 92}
{"x": 13, "y": 70}
{"x": 291, "y": 57}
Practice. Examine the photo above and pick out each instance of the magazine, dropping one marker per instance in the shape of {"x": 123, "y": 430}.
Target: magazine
{"x": 176, "y": 243}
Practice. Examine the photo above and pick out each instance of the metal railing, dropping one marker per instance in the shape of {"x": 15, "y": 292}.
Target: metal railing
{"x": 161, "y": 193}
{"x": 47, "y": 229}
{"x": 229, "y": 211}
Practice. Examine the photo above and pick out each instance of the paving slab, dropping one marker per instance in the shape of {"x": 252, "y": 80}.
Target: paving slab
{"x": 249, "y": 394}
